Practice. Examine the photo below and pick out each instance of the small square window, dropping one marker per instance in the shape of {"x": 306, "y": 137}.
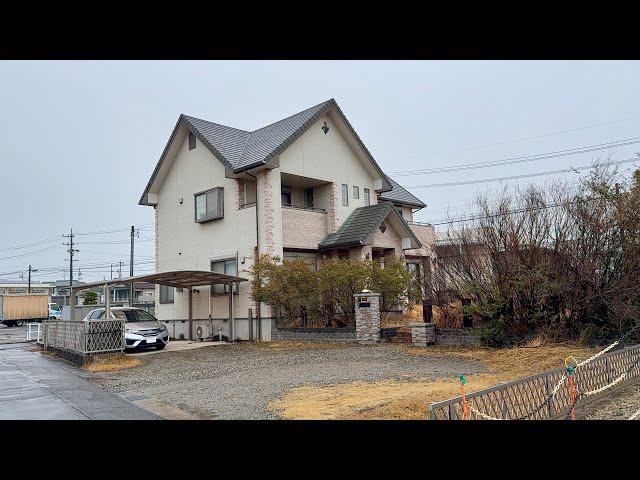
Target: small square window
{"x": 356, "y": 192}
{"x": 166, "y": 294}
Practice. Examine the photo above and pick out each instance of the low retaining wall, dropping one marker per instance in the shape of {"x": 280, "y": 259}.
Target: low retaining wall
{"x": 314, "y": 334}
{"x": 456, "y": 336}
{"x": 423, "y": 334}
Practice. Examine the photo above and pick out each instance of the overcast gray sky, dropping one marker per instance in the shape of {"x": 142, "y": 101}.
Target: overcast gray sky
{"x": 79, "y": 139}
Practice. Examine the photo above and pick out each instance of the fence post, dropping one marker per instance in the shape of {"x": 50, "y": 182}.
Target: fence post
{"x": 85, "y": 326}
{"x": 432, "y": 415}
{"x": 453, "y": 414}
{"x": 608, "y": 367}
{"x": 503, "y": 404}
{"x": 549, "y": 389}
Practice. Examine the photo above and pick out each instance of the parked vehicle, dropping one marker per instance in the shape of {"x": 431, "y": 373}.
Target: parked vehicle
{"x": 18, "y": 308}
{"x": 55, "y": 313}
{"x": 141, "y": 329}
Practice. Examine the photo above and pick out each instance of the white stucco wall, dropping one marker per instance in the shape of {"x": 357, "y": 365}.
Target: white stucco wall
{"x": 329, "y": 158}
{"x": 183, "y": 244}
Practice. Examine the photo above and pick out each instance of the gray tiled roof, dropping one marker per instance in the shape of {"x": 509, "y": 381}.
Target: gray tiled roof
{"x": 240, "y": 150}
{"x": 227, "y": 141}
{"x": 360, "y": 224}
{"x": 399, "y": 195}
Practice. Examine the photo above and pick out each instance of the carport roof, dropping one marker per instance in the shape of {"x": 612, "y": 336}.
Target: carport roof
{"x": 175, "y": 278}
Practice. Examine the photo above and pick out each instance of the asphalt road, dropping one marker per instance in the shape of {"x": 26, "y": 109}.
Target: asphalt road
{"x": 38, "y": 386}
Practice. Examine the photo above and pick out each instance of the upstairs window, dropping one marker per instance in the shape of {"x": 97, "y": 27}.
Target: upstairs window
{"x": 209, "y": 205}
{"x": 192, "y": 141}
{"x": 367, "y": 200}
{"x": 345, "y": 195}
{"x": 356, "y": 192}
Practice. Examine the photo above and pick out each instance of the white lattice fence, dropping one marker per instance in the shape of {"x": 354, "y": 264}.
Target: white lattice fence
{"x": 96, "y": 336}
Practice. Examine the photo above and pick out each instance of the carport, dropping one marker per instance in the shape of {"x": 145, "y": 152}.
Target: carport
{"x": 176, "y": 278}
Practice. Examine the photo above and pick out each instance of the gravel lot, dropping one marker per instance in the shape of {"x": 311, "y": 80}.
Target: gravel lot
{"x": 238, "y": 381}
{"x": 619, "y": 406}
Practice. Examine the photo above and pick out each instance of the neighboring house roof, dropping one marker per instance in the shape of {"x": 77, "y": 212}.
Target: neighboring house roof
{"x": 240, "y": 150}
{"x": 400, "y": 195}
{"x": 361, "y": 224}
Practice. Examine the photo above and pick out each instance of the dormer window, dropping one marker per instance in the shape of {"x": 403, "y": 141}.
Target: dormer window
{"x": 192, "y": 141}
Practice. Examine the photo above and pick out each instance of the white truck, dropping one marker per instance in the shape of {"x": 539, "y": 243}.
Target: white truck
{"x": 16, "y": 309}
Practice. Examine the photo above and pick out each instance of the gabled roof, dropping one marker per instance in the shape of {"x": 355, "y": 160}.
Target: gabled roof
{"x": 240, "y": 150}
{"x": 400, "y": 195}
{"x": 360, "y": 224}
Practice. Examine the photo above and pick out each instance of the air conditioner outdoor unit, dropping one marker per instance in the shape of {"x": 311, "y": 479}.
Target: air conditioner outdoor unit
{"x": 202, "y": 331}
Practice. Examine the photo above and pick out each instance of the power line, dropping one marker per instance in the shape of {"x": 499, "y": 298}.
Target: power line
{"x": 41, "y": 242}
{"x": 521, "y": 139}
{"x": 36, "y": 252}
{"x": 514, "y": 177}
{"x": 516, "y": 160}
{"x": 116, "y": 230}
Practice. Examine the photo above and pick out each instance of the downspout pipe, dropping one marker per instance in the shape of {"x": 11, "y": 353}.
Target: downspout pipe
{"x": 258, "y": 322}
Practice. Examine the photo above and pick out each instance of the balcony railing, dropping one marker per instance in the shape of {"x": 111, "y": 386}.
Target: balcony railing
{"x": 304, "y": 207}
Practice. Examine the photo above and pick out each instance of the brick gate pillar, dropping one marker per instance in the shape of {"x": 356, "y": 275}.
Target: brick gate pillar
{"x": 367, "y": 317}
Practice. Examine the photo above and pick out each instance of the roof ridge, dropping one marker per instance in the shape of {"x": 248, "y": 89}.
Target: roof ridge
{"x": 219, "y": 124}
{"x": 293, "y": 115}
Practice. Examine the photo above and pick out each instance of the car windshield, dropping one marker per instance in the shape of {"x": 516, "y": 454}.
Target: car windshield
{"x": 55, "y": 307}
{"x": 133, "y": 316}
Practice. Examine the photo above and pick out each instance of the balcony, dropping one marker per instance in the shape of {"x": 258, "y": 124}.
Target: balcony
{"x": 303, "y": 227}
{"x": 426, "y": 234}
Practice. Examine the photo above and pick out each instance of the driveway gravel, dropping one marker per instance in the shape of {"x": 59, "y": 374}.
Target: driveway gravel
{"x": 618, "y": 406}
{"x": 237, "y": 381}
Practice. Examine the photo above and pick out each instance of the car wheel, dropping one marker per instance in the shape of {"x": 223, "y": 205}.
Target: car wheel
{"x": 19, "y": 323}
{"x": 160, "y": 347}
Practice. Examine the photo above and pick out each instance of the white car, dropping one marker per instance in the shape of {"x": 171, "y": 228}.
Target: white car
{"x": 141, "y": 329}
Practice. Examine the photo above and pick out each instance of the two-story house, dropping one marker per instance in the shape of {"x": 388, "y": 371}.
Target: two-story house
{"x": 302, "y": 187}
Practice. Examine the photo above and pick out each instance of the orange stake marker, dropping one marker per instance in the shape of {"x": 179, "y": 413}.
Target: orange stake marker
{"x": 465, "y": 407}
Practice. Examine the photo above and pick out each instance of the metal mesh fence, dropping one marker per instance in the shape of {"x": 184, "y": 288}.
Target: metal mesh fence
{"x": 532, "y": 398}
{"x": 96, "y": 336}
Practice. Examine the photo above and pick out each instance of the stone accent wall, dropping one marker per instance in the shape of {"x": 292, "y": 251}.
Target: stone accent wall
{"x": 423, "y": 334}
{"x": 368, "y": 318}
{"x": 314, "y": 334}
{"x": 332, "y": 219}
{"x": 240, "y": 186}
{"x": 268, "y": 212}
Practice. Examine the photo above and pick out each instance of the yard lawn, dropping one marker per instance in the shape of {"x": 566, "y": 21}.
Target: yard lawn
{"x": 409, "y": 400}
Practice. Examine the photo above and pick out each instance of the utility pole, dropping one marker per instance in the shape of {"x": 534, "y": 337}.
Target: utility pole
{"x": 30, "y": 270}
{"x": 131, "y": 267}
{"x": 111, "y": 265}
{"x": 120, "y": 269}
{"x": 71, "y": 252}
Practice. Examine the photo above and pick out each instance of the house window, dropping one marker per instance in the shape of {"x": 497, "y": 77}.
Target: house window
{"x": 209, "y": 204}
{"x": 367, "y": 200}
{"x": 166, "y": 294}
{"x": 227, "y": 266}
{"x": 345, "y": 195}
{"x": 356, "y": 192}
{"x": 286, "y": 198}
{"x": 399, "y": 210}
{"x": 192, "y": 141}
{"x": 308, "y": 197}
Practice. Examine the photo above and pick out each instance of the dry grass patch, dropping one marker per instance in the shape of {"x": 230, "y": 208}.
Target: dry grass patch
{"x": 288, "y": 345}
{"x": 110, "y": 364}
{"x": 409, "y": 400}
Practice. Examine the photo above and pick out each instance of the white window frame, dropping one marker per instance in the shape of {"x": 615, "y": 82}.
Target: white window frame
{"x": 345, "y": 195}
{"x": 356, "y": 192}
{"x": 208, "y": 216}
{"x": 220, "y": 288}
{"x": 163, "y": 298}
